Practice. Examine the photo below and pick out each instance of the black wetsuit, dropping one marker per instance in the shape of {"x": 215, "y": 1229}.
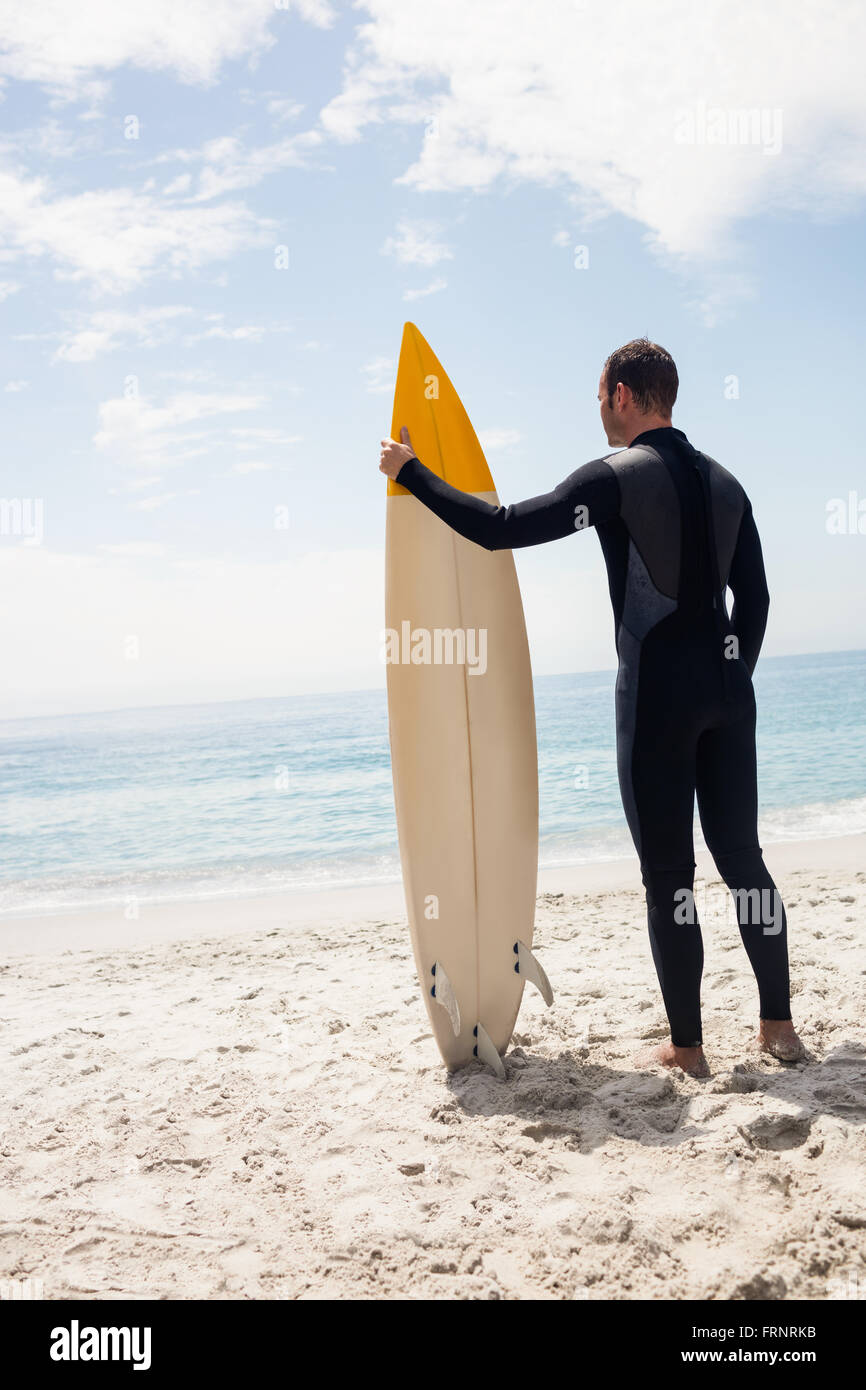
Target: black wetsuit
{"x": 676, "y": 529}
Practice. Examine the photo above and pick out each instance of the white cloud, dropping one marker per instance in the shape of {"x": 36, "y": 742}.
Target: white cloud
{"x": 284, "y": 109}
{"x": 416, "y": 244}
{"x": 107, "y": 330}
{"x": 722, "y": 294}
{"x": 592, "y": 100}
{"x": 255, "y": 436}
{"x": 137, "y": 434}
{"x": 371, "y": 80}
{"x": 137, "y": 484}
{"x": 433, "y": 288}
{"x": 115, "y": 238}
{"x": 228, "y": 165}
{"x": 14, "y": 386}
{"x": 379, "y": 374}
{"x": 177, "y": 186}
{"x": 8, "y": 287}
{"x": 150, "y": 504}
{"x": 62, "y": 48}
{"x": 188, "y": 375}
{"x": 244, "y": 332}
{"x": 50, "y": 138}
{"x": 318, "y": 12}
{"x": 493, "y": 439}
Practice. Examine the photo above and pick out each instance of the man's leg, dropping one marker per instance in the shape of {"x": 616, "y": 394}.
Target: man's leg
{"x": 664, "y": 791}
{"x": 727, "y": 788}
{"x": 656, "y": 766}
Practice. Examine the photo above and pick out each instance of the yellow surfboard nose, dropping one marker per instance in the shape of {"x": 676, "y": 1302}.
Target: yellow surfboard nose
{"x": 440, "y": 430}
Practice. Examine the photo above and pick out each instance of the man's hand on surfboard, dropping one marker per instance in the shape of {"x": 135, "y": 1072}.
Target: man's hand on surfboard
{"x": 394, "y": 455}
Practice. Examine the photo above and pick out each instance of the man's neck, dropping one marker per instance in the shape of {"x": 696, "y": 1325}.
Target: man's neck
{"x": 652, "y": 422}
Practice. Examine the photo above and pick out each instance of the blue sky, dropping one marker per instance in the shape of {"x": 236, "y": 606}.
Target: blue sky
{"x": 200, "y": 425}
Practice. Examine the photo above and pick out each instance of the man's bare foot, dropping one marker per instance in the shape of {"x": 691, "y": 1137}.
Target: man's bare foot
{"x": 689, "y": 1059}
{"x": 779, "y": 1037}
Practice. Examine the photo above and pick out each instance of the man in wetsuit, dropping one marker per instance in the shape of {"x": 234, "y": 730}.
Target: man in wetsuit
{"x": 676, "y": 529}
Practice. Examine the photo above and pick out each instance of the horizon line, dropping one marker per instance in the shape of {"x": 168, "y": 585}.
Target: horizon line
{"x": 353, "y": 690}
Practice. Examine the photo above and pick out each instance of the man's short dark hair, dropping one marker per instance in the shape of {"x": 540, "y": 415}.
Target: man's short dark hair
{"x": 648, "y": 370}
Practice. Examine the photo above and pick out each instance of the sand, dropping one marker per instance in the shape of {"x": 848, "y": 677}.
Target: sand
{"x": 245, "y": 1101}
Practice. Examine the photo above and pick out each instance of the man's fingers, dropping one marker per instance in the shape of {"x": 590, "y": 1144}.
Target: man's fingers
{"x": 394, "y": 455}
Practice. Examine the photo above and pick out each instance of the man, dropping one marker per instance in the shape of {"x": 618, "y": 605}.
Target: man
{"x": 675, "y": 529}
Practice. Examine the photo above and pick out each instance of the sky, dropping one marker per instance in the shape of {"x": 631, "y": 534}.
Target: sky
{"x": 215, "y": 219}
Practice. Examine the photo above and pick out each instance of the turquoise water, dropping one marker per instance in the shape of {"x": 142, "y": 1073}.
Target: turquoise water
{"x": 254, "y": 796}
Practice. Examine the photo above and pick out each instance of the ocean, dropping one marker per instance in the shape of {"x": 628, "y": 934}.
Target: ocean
{"x": 250, "y": 797}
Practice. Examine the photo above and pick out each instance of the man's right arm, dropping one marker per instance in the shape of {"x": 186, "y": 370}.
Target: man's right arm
{"x": 748, "y": 583}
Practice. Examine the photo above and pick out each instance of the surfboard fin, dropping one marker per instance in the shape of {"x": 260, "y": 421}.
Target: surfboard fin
{"x": 486, "y": 1052}
{"x": 443, "y": 993}
{"x": 526, "y": 964}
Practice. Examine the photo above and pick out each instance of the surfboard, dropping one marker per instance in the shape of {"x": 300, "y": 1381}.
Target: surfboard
{"x": 462, "y": 733}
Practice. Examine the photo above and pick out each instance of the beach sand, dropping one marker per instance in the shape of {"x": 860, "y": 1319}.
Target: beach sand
{"x": 244, "y": 1100}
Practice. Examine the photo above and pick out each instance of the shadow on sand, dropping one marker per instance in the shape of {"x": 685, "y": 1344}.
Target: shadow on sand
{"x": 581, "y": 1104}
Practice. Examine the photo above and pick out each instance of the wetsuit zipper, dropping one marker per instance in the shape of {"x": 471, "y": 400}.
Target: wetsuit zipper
{"x": 720, "y": 616}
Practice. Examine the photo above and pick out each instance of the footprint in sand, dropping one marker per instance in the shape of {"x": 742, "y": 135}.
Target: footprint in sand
{"x": 779, "y": 1132}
